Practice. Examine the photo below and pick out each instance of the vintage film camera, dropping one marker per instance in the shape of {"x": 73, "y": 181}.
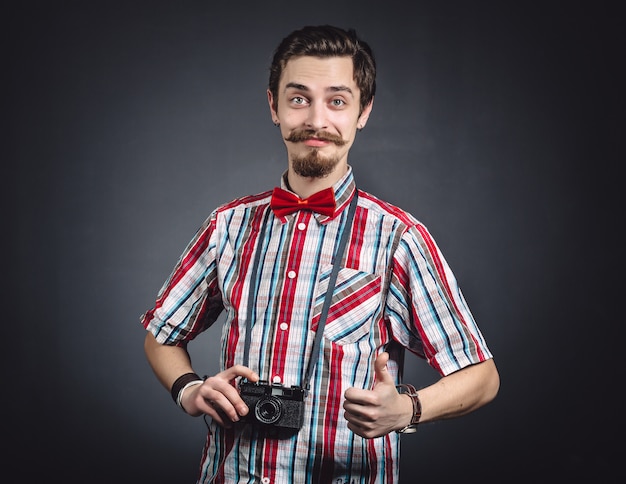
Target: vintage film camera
{"x": 272, "y": 404}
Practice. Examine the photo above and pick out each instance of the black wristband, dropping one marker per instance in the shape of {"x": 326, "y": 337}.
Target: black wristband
{"x": 180, "y": 382}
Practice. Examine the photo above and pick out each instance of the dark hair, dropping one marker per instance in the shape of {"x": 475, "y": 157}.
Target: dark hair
{"x": 327, "y": 41}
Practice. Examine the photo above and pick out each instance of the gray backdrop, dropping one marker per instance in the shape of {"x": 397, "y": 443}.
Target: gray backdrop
{"x": 498, "y": 126}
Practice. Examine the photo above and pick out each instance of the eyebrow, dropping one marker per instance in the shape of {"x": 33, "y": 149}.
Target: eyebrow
{"x": 302, "y": 87}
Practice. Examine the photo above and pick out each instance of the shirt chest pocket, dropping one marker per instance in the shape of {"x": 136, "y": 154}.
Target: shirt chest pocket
{"x": 356, "y": 299}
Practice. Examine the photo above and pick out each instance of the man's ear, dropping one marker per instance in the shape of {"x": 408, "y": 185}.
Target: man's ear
{"x": 365, "y": 114}
{"x": 270, "y": 100}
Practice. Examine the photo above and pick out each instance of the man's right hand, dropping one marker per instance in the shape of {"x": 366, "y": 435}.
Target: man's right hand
{"x": 218, "y": 397}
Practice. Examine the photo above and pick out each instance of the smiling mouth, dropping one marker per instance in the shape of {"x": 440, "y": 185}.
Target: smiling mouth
{"x": 316, "y": 142}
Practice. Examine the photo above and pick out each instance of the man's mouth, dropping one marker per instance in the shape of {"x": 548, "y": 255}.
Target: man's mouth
{"x": 316, "y": 142}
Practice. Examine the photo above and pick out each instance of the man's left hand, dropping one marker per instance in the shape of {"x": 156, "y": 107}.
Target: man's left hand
{"x": 376, "y": 412}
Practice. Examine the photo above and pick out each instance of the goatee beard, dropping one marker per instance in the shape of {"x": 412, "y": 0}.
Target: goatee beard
{"x": 312, "y": 165}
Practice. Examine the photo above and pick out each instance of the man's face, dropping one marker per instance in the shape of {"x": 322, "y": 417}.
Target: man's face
{"x": 318, "y": 111}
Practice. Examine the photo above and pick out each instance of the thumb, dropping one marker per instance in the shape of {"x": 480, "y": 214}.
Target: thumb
{"x": 380, "y": 369}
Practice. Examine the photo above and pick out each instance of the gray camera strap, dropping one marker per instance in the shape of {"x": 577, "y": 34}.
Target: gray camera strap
{"x": 329, "y": 292}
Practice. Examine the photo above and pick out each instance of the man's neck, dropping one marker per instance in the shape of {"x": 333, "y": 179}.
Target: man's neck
{"x": 304, "y": 187}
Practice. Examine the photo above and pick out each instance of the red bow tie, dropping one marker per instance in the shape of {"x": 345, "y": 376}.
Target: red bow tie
{"x": 284, "y": 202}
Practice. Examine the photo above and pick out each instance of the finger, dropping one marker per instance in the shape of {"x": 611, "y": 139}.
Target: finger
{"x": 372, "y": 397}
{"x": 358, "y": 396}
{"x": 364, "y": 429}
{"x": 224, "y": 397}
{"x": 239, "y": 371}
{"x": 380, "y": 368}
{"x": 360, "y": 414}
{"x": 217, "y": 414}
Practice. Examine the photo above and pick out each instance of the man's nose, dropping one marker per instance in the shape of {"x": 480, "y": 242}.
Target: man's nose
{"x": 316, "y": 118}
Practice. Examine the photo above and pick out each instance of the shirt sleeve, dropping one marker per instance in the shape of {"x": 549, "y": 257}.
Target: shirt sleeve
{"x": 426, "y": 309}
{"x": 189, "y": 301}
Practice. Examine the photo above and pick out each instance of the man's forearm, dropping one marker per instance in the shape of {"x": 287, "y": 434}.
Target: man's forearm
{"x": 167, "y": 362}
{"x": 460, "y": 392}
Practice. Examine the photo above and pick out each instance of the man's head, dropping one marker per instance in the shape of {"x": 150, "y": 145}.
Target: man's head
{"x": 327, "y": 41}
{"x": 321, "y": 90}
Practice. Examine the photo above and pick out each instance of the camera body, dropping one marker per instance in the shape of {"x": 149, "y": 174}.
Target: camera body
{"x": 272, "y": 404}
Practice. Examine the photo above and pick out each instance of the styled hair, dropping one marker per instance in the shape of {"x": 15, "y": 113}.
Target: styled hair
{"x": 327, "y": 41}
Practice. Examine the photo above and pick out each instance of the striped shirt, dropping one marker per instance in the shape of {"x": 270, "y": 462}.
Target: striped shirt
{"x": 394, "y": 291}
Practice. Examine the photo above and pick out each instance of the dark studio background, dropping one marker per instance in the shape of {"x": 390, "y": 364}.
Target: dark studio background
{"x": 499, "y": 125}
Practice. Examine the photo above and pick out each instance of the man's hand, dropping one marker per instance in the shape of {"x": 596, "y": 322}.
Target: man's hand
{"x": 217, "y": 397}
{"x": 376, "y": 412}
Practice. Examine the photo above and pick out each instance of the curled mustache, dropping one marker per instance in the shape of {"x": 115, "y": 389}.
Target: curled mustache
{"x": 298, "y": 135}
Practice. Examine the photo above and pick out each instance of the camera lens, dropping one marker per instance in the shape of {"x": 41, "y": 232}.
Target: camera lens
{"x": 268, "y": 410}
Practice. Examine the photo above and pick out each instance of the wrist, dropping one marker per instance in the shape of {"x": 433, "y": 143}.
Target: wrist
{"x": 181, "y": 384}
{"x": 411, "y": 392}
{"x": 181, "y": 393}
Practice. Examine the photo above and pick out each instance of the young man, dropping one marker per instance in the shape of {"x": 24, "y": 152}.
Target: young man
{"x": 292, "y": 404}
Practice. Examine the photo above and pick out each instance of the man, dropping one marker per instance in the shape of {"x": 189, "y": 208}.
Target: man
{"x": 269, "y": 265}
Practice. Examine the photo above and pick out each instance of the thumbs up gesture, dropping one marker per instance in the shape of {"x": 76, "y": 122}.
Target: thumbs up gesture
{"x": 376, "y": 412}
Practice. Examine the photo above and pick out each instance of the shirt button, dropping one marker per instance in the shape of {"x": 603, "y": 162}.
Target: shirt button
{"x": 276, "y": 379}
{"x": 291, "y": 274}
{"x": 301, "y": 226}
{"x": 284, "y": 326}
{"x": 265, "y": 480}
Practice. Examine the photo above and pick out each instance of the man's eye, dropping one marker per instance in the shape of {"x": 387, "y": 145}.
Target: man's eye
{"x": 298, "y": 100}
{"x": 337, "y": 102}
